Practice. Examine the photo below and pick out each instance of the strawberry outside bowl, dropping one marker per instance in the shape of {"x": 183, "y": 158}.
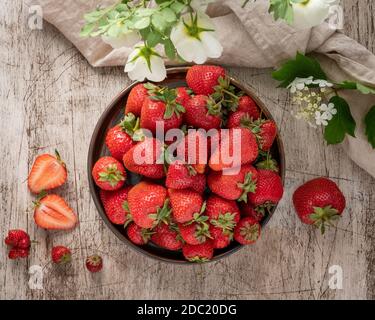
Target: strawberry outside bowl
{"x": 112, "y": 115}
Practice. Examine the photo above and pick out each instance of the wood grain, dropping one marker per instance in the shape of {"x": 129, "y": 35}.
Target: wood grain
{"x": 51, "y": 98}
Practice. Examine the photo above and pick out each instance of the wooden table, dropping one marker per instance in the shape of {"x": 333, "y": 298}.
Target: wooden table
{"x": 52, "y": 98}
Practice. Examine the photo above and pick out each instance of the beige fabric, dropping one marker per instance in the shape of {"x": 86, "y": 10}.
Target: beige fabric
{"x": 251, "y": 38}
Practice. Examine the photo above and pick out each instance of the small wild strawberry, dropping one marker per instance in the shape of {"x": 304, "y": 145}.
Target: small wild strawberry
{"x": 94, "y": 263}
{"x": 61, "y": 255}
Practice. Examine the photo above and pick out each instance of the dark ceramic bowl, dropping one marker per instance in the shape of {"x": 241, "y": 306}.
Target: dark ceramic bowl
{"x": 111, "y": 116}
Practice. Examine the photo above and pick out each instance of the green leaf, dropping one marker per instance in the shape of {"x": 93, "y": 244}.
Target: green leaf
{"x": 281, "y": 9}
{"x": 177, "y": 7}
{"x": 142, "y": 23}
{"x": 159, "y": 22}
{"x": 341, "y": 124}
{"x": 370, "y": 126}
{"x": 350, "y": 85}
{"x": 364, "y": 89}
{"x": 170, "y": 50}
{"x": 169, "y": 15}
{"x": 301, "y": 67}
{"x": 153, "y": 38}
{"x": 87, "y": 29}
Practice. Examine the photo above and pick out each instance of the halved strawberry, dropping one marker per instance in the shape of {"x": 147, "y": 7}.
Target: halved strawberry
{"x": 48, "y": 172}
{"x": 52, "y": 212}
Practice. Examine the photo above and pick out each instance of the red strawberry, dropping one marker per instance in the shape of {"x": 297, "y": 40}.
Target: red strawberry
{"x": 18, "y": 253}
{"x": 197, "y": 230}
{"x": 183, "y": 96}
{"x": 198, "y": 253}
{"x": 230, "y": 140}
{"x": 159, "y": 111}
{"x": 138, "y": 235}
{"x": 61, "y": 255}
{"x": 179, "y": 176}
{"x": 194, "y": 148}
{"x": 148, "y": 204}
{"x": 122, "y": 137}
{"x": 235, "y": 119}
{"x": 248, "y": 105}
{"x": 199, "y": 183}
{"x": 135, "y": 100}
{"x": 202, "y": 79}
{"x": 265, "y": 131}
{"x": 319, "y": 202}
{"x": 247, "y": 210}
{"x": 223, "y": 215}
{"x": 201, "y": 113}
{"x": 233, "y": 187}
{"x": 185, "y": 203}
{"x": 220, "y": 238}
{"x": 167, "y": 236}
{"x": 247, "y": 231}
{"x": 94, "y": 263}
{"x": 142, "y": 159}
{"x": 48, "y": 172}
{"x": 109, "y": 174}
{"x": 269, "y": 189}
{"x": 18, "y": 239}
{"x": 114, "y": 203}
{"x": 51, "y": 212}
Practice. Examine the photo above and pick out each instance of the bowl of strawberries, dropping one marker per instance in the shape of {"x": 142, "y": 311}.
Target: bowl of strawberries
{"x": 188, "y": 170}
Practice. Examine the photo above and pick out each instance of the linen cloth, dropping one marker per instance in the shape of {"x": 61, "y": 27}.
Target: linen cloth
{"x": 251, "y": 38}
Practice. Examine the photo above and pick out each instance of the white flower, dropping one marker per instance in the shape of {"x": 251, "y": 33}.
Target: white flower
{"x": 328, "y": 110}
{"x": 145, "y": 62}
{"x": 311, "y": 13}
{"x": 128, "y": 39}
{"x": 299, "y": 84}
{"x": 194, "y": 38}
{"x": 323, "y": 83}
{"x": 321, "y": 119}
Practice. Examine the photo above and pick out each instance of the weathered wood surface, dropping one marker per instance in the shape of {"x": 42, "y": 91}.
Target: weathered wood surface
{"x": 51, "y": 98}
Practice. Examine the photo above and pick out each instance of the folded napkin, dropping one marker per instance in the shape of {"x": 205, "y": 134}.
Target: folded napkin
{"x": 251, "y": 38}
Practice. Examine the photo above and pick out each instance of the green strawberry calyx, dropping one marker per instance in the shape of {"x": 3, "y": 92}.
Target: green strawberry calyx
{"x": 58, "y": 157}
{"x": 112, "y": 175}
{"x": 268, "y": 164}
{"x": 323, "y": 217}
{"x": 250, "y": 232}
{"x": 40, "y": 196}
{"x": 162, "y": 215}
{"x": 146, "y": 234}
{"x": 168, "y": 96}
{"x": 65, "y": 258}
{"x": 202, "y": 227}
{"x": 265, "y": 208}
{"x": 131, "y": 125}
{"x": 225, "y": 222}
{"x": 225, "y": 95}
{"x": 198, "y": 259}
{"x": 249, "y": 185}
{"x": 129, "y": 217}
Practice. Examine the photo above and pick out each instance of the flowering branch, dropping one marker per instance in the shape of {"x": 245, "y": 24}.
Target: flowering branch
{"x": 318, "y": 100}
{"x": 179, "y": 30}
